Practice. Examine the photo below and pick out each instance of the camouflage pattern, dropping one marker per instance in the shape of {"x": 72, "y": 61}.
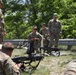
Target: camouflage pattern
{"x": 44, "y": 32}
{"x": 36, "y": 42}
{"x": 7, "y": 66}
{"x": 55, "y": 31}
{"x": 71, "y": 68}
{"x": 2, "y": 29}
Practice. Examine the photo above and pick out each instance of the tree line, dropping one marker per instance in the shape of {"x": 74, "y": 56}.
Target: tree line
{"x": 21, "y": 15}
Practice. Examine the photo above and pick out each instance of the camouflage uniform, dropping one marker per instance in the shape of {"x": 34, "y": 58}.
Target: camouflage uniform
{"x": 2, "y": 29}
{"x": 71, "y": 68}
{"x": 7, "y": 66}
{"x": 54, "y": 31}
{"x": 44, "y": 32}
{"x": 36, "y": 43}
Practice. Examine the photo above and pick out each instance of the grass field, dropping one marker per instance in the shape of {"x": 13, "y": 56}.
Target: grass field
{"x": 50, "y": 65}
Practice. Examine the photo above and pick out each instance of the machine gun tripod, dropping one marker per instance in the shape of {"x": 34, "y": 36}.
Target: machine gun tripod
{"x": 28, "y": 61}
{"x": 47, "y": 49}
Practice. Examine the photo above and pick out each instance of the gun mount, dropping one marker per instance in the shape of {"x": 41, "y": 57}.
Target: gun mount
{"x": 28, "y": 60}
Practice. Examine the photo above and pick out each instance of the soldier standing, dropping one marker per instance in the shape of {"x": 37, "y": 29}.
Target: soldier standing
{"x": 44, "y": 31}
{"x": 7, "y": 66}
{"x": 55, "y": 30}
{"x": 2, "y": 27}
{"x": 34, "y": 39}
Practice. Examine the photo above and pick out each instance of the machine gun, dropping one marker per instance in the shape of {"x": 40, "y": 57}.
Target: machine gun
{"x": 48, "y": 49}
{"x": 31, "y": 46}
{"x": 27, "y": 61}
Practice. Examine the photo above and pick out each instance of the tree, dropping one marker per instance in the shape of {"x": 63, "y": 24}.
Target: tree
{"x": 14, "y": 19}
{"x": 21, "y": 15}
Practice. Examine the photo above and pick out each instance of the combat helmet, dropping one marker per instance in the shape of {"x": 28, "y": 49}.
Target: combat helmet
{"x": 35, "y": 27}
{"x": 8, "y": 46}
{"x": 55, "y": 14}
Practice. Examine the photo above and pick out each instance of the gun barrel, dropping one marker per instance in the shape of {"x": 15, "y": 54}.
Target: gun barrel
{"x": 19, "y": 59}
{"x": 37, "y": 57}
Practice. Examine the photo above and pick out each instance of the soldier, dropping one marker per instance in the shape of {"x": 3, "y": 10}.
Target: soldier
{"x": 7, "y": 66}
{"x": 2, "y": 27}
{"x": 71, "y": 68}
{"x": 55, "y": 30}
{"x": 44, "y": 31}
{"x": 34, "y": 38}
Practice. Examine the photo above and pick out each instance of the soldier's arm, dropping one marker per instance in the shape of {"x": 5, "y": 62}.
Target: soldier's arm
{"x": 29, "y": 37}
{"x": 39, "y": 36}
{"x": 11, "y": 68}
{"x": 40, "y": 31}
{"x": 60, "y": 27}
{"x": 49, "y": 27}
{"x": 48, "y": 31}
{"x": 2, "y": 21}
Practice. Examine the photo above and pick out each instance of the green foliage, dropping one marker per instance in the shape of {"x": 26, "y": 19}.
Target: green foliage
{"x": 34, "y": 12}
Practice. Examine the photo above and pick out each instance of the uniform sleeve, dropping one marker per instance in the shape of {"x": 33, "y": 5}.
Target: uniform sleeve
{"x": 49, "y": 26}
{"x": 47, "y": 30}
{"x": 29, "y": 37}
{"x": 60, "y": 28}
{"x": 2, "y": 23}
{"x": 40, "y": 31}
{"x": 39, "y": 36}
{"x": 11, "y": 68}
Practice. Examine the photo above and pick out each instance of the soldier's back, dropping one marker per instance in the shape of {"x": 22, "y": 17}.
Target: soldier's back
{"x": 3, "y": 58}
{"x": 7, "y": 66}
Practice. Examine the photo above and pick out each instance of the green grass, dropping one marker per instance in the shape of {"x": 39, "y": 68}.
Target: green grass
{"x": 20, "y": 52}
{"x": 50, "y": 65}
